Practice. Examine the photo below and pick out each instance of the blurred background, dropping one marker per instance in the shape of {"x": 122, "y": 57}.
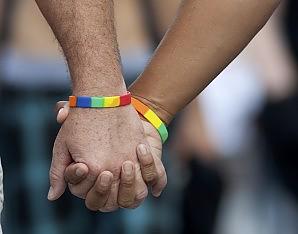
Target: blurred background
{"x": 232, "y": 154}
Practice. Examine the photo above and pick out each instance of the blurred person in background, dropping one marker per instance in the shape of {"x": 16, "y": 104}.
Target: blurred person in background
{"x": 278, "y": 119}
{"x": 227, "y": 111}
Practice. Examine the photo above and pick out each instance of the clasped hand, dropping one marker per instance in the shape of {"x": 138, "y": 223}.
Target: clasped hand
{"x": 109, "y": 157}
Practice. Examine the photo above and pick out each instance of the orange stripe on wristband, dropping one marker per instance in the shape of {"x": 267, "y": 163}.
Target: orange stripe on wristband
{"x": 151, "y": 117}
{"x": 72, "y": 101}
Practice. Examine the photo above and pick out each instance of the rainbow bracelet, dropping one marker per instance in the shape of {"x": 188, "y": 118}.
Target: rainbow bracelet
{"x": 151, "y": 117}
{"x": 99, "y": 102}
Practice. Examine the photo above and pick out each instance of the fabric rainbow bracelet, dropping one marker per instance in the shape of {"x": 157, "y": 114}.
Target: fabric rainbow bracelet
{"x": 151, "y": 117}
{"x": 99, "y": 102}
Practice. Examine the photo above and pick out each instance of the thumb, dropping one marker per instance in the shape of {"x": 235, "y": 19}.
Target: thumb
{"x": 61, "y": 159}
{"x": 62, "y": 108}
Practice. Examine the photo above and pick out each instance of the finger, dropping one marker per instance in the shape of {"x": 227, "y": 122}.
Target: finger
{"x": 98, "y": 195}
{"x": 61, "y": 159}
{"x": 82, "y": 188}
{"x": 141, "y": 188}
{"x": 162, "y": 180}
{"x": 112, "y": 204}
{"x": 126, "y": 195}
{"x": 75, "y": 173}
{"x": 60, "y": 105}
{"x": 148, "y": 168}
{"x": 62, "y": 113}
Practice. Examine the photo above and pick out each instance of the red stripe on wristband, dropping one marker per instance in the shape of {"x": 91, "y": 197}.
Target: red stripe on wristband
{"x": 125, "y": 99}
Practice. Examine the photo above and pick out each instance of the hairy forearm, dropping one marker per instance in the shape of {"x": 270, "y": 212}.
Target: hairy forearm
{"x": 86, "y": 33}
{"x": 205, "y": 37}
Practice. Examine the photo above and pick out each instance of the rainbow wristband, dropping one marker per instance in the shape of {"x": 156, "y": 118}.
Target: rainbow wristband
{"x": 99, "y": 102}
{"x": 151, "y": 117}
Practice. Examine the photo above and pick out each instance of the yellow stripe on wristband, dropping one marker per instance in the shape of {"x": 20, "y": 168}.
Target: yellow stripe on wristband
{"x": 151, "y": 117}
{"x": 111, "y": 102}
{"x": 99, "y": 102}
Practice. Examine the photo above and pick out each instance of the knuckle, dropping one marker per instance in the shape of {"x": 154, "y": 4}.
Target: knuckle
{"x": 147, "y": 161}
{"x": 70, "y": 178}
{"x": 148, "y": 167}
{"x": 76, "y": 191}
{"x": 101, "y": 190}
{"x": 150, "y": 176}
{"x": 127, "y": 183}
{"x": 126, "y": 199}
{"x": 126, "y": 203}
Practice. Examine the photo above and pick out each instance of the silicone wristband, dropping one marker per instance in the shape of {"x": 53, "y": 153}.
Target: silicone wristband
{"x": 151, "y": 117}
{"x": 99, "y": 102}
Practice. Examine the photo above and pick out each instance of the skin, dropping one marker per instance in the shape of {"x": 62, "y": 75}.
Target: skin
{"x": 152, "y": 169}
{"x": 204, "y": 38}
{"x": 103, "y": 140}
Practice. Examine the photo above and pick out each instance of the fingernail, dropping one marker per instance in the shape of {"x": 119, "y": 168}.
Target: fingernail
{"x": 80, "y": 172}
{"x": 61, "y": 109}
{"x": 142, "y": 149}
{"x": 128, "y": 167}
{"x": 105, "y": 180}
{"x": 51, "y": 193}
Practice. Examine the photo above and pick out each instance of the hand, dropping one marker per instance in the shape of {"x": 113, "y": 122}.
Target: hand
{"x": 152, "y": 175}
{"x": 102, "y": 140}
{"x": 126, "y": 194}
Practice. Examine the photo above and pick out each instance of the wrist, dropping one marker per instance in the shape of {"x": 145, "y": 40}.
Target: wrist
{"x": 160, "y": 111}
{"x": 112, "y": 86}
